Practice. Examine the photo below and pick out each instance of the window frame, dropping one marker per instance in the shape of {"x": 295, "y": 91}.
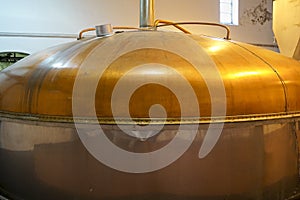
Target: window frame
{"x": 8, "y": 58}
{"x": 232, "y": 12}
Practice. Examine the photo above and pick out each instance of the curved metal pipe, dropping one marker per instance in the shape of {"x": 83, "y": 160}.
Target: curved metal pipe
{"x": 84, "y": 31}
{"x": 195, "y": 23}
{"x": 165, "y": 22}
{"x": 80, "y": 35}
{"x": 146, "y": 13}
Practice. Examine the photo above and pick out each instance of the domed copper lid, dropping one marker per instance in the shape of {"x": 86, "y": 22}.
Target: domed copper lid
{"x": 124, "y": 75}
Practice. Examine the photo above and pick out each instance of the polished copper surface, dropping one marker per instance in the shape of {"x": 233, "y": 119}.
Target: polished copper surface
{"x": 41, "y": 85}
{"x": 256, "y": 157}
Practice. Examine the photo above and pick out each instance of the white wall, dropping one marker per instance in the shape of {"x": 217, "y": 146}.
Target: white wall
{"x": 287, "y": 27}
{"x": 208, "y": 10}
{"x": 71, "y": 16}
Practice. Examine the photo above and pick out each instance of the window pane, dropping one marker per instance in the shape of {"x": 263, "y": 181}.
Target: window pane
{"x": 226, "y": 18}
{"x": 229, "y": 12}
{"x": 9, "y": 58}
{"x": 225, "y": 1}
{"x": 235, "y": 12}
{"x": 226, "y": 8}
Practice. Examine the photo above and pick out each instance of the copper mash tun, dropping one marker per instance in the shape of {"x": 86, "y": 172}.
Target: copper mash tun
{"x": 238, "y": 129}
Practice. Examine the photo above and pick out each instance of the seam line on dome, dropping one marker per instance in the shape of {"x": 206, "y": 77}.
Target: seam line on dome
{"x": 273, "y": 69}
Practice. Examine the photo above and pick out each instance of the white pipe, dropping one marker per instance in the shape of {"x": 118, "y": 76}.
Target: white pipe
{"x": 37, "y": 35}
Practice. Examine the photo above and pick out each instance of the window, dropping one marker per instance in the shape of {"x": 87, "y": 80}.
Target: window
{"x": 229, "y": 12}
{"x": 9, "y": 58}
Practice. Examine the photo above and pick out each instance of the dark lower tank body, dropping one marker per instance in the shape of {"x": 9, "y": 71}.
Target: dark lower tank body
{"x": 252, "y": 160}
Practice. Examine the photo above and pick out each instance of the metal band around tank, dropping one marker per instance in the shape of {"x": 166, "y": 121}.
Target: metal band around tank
{"x": 145, "y": 121}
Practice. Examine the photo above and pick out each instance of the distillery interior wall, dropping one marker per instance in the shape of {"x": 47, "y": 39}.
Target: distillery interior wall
{"x": 71, "y": 16}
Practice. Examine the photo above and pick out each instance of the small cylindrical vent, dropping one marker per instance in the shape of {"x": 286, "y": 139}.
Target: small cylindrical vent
{"x": 104, "y": 30}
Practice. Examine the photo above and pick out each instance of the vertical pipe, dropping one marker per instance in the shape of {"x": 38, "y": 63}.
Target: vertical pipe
{"x": 146, "y": 13}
